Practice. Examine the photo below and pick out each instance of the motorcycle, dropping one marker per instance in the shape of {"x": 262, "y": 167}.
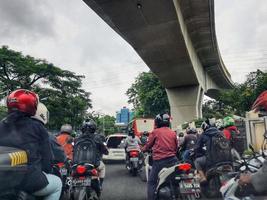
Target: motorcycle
{"x": 134, "y": 161}
{"x": 84, "y": 184}
{"x": 247, "y": 164}
{"x": 178, "y": 182}
{"x": 216, "y": 176}
{"x": 62, "y": 170}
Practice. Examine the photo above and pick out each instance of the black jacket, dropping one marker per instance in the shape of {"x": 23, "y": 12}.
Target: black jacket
{"x": 204, "y": 141}
{"x": 20, "y": 131}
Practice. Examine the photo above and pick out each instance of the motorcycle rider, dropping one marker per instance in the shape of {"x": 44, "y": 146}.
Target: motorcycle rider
{"x": 189, "y": 143}
{"x": 89, "y": 131}
{"x": 65, "y": 139}
{"x": 230, "y": 130}
{"x": 164, "y": 144}
{"x": 42, "y": 115}
{"x": 19, "y": 130}
{"x": 209, "y": 130}
{"x": 132, "y": 142}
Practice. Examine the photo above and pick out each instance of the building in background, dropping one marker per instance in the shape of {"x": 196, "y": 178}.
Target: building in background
{"x": 124, "y": 116}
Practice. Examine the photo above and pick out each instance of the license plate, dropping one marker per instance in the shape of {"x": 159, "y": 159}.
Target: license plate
{"x": 188, "y": 186}
{"x": 63, "y": 171}
{"x": 133, "y": 159}
{"x": 81, "y": 182}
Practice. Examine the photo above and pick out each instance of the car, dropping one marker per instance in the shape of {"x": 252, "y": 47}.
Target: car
{"x": 115, "y": 144}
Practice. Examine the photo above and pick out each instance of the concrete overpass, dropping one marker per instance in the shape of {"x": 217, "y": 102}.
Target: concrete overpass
{"x": 177, "y": 41}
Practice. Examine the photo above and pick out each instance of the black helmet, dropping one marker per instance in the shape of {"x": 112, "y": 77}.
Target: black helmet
{"x": 191, "y": 130}
{"x": 162, "y": 120}
{"x": 89, "y": 126}
{"x": 208, "y": 123}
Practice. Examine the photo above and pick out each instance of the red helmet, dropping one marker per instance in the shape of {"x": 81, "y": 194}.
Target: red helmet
{"x": 22, "y": 100}
{"x": 261, "y": 102}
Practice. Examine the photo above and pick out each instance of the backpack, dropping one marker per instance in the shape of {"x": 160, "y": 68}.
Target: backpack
{"x": 85, "y": 151}
{"x": 219, "y": 150}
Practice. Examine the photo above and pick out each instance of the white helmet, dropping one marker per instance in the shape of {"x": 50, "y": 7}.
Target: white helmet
{"x": 66, "y": 128}
{"x": 42, "y": 113}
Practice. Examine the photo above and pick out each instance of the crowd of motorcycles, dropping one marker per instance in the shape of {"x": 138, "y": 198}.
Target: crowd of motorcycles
{"x": 181, "y": 181}
{"x": 81, "y": 181}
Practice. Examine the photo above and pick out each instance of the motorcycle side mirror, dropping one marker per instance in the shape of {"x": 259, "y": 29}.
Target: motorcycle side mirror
{"x": 251, "y": 148}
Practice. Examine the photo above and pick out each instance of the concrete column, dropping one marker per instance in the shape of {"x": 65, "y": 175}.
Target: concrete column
{"x": 185, "y": 103}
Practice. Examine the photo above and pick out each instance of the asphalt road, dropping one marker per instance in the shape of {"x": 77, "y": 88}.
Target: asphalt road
{"x": 120, "y": 185}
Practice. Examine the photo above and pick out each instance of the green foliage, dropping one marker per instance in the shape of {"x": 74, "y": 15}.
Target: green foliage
{"x": 217, "y": 109}
{"x": 148, "y": 96}
{"x": 60, "y": 89}
{"x": 105, "y": 123}
{"x": 3, "y": 112}
{"x": 242, "y": 96}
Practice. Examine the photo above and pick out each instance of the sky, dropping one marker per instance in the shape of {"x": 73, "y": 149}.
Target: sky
{"x": 71, "y": 36}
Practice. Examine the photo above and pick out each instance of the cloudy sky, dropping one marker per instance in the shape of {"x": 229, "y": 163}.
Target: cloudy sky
{"x": 70, "y": 35}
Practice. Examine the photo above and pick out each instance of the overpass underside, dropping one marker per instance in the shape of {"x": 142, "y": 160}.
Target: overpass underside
{"x": 177, "y": 41}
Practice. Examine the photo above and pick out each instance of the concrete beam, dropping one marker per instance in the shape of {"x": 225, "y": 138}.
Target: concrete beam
{"x": 185, "y": 103}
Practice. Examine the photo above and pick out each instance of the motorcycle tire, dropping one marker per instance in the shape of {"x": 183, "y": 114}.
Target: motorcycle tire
{"x": 188, "y": 197}
{"x": 134, "y": 171}
{"x": 83, "y": 195}
{"x": 212, "y": 189}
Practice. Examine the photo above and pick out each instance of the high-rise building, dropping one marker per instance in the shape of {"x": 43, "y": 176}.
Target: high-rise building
{"x": 124, "y": 116}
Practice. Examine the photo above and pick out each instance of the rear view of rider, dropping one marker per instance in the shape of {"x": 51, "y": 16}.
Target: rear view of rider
{"x": 205, "y": 149}
{"x": 189, "y": 143}
{"x": 65, "y": 139}
{"x": 19, "y": 130}
{"x": 89, "y": 133}
{"x": 230, "y": 130}
{"x": 132, "y": 142}
{"x": 42, "y": 115}
{"x": 164, "y": 144}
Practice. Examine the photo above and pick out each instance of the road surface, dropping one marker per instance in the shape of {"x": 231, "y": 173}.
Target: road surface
{"x": 120, "y": 185}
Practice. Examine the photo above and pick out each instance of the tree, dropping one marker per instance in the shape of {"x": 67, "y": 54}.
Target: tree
{"x": 242, "y": 96}
{"x": 148, "y": 96}
{"x": 105, "y": 123}
{"x": 217, "y": 109}
{"x": 59, "y": 89}
{"x": 3, "y": 112}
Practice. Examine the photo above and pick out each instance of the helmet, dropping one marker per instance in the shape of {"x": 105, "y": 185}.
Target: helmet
{"x": 89, "y": 126}
{"x": 261, "y": 102}
{"x": 23, "y": 101}
{"x": 181, "y": 134}
{"x": 208, "y": 123}
{"x": 66, "y": 128}
{"x": 191, "y": 130}
{"x": 219, "y": 124}
{"x": 162, "y": 120}
{"x": 228, "y": 121}
{"x": 42, "y": 114}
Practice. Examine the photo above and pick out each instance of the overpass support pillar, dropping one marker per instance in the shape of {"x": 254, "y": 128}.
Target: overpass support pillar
{"x": 185, "y": 103}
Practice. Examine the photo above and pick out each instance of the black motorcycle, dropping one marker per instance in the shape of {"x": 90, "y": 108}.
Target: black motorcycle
{"x": 85, "y": 183}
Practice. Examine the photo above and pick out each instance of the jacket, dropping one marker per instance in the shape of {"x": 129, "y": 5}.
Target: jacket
{"x": 230, "y": 131}
{"x": 190, "y": 141}
{"x": 163, "y": 142}
{"x": 203, "y": 141}
{"x": 21, "y": 131}
{"x": 132, "y": 143}
{"x": 65, "y": 140}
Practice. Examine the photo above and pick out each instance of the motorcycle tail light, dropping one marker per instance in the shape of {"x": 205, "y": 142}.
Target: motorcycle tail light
{"x": 94, "y": 172}
{"x": 184, "y": 167}
{"x": 81, "y": 169}
{"x": 60, "y": 165}
{"x": 134, "y": 153}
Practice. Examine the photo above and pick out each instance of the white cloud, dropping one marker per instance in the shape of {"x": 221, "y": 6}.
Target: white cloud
{"x": 70, "y": 35}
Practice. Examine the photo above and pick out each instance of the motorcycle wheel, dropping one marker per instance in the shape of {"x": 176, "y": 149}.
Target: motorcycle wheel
{"x": 134, "y": 171}
{"x": 188, "y": 197}
{"x": 213, "y": 188}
